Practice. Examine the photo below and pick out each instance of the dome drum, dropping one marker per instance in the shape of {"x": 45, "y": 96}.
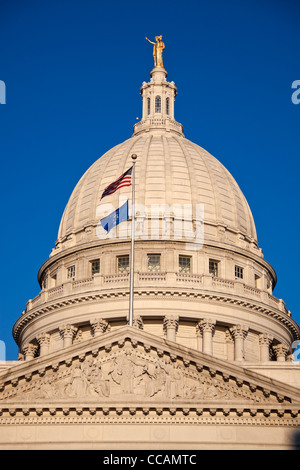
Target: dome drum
{"x": 181, "y": 283}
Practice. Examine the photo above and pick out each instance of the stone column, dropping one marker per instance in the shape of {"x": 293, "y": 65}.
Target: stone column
{"x": 99, "y": 326}
{"x": 207, "y": 327}
{"x": 171, "y": 324}
{"x": 67, "y": 332}
{"x": 199, "y": 337}
{"x": 230, "y": 345}
{"x": 138, "y": 322}
{"x": 44, "y": 342}
{"x": 239, "y": 333}
{"x": 265, "y": 341}
{"x": 29, "y": 351}
{"x": 281, "y": 351}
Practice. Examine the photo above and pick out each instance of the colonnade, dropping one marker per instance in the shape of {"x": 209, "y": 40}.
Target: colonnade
{"x": 205, "y": 329}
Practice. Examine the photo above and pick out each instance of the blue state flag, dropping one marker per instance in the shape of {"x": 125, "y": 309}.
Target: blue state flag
{"x": 115, "y": 218}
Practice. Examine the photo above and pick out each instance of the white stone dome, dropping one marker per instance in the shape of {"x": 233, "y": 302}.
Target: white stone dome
{"x": 225, "y": 282}
{"x": 170, "y": 170}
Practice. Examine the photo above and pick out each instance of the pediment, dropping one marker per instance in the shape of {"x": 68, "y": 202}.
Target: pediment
{"x": 129, "y": 368}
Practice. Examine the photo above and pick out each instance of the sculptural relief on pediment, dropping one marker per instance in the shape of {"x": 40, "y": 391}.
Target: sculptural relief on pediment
{"x": 130, "y": 373}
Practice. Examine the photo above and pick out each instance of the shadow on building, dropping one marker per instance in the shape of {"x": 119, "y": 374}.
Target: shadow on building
{"x": 295, "y": 444}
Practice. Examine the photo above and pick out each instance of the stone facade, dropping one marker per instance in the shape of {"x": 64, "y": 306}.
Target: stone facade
{"x": 147, "y": 387}
{"x": 208, "y": 362}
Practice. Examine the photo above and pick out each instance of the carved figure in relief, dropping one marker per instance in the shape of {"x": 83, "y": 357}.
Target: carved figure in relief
{"x": 48, "y": 388}
{"x": 126, "y": 368}
{"x": 164, "y": 378}
{"x": 173, "y": 379}
{"x": 99, "y": 380}
{"x": 78, "y": 385}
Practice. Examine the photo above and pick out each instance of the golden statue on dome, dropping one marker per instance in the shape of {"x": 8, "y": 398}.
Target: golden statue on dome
{"x": 158, "y": 48}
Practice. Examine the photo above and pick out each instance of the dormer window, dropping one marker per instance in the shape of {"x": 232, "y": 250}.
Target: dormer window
{"x": 158, "y": 104}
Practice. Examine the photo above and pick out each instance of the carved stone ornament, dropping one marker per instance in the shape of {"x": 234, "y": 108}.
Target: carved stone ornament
{"x": 126, "y": 374}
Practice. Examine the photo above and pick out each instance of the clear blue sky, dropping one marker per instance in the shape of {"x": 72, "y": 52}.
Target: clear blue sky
{"x": 73, "y": 69}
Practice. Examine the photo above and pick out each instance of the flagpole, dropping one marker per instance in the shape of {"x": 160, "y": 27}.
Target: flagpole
{"x": 131, "y": 288}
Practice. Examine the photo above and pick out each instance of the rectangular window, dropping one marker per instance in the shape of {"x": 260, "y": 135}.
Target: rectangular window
{"x": 239, "y": 272}
{"x": 45, "y": 282}
{"x": 168, "y": 106}
{"x": 95, "y": 267}
{"x": 71, "y": 272}
{"x": 153, "y": 263}
{"x": 123, "y": 264}
{"x": 214, "y": 267}
{"x": 184, "y": 264}
{"x": 53, "y": 278}
{"x": 257, "y": 281}
{"x": 158, "y": 104}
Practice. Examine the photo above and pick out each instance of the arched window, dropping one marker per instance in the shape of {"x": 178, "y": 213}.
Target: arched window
{"x": 148, "y": 105}
{"x": 168, "y": 106}
{"x": 158, "y": 104}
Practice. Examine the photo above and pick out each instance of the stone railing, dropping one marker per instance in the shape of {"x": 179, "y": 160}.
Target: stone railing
{"x": 153, "y": 277}
{"x": 152, "y": 123}
{"x": 157, "y": 279}
{"x": 116, "y": 278}
{"x": 56, "y": 291}
{"x": 83, "y": 283}
{"x": 187, "y": 278}
{"x": 223, "y": 283}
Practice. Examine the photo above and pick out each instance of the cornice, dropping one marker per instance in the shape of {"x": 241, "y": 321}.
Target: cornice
{"x": 183, "y": 293}
{"x": 35, "y": 414}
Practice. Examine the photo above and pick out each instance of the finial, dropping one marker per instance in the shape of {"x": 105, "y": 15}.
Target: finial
{"x": 134, "y": 156}
{"x": 158, "y": 48}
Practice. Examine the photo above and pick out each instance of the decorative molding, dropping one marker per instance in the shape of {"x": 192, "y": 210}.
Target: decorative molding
{"x": 290, "y": 324}
{"x": 127, "y": 375}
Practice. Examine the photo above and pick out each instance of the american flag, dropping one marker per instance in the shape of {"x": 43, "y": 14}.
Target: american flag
{"x": 123, "y": 180}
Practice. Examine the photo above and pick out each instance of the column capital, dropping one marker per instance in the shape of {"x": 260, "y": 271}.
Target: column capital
{"x": 138, "y": 322}
{"x": 239, "y": 331}
{"x": 67, "y": 331}
{"x": 171, "y": 321}
{"x": 229, "y": 337}
{"x": 29, "y": 350}
{"x": 281, "y": 351}
{"x": 99, "y": 326}
{"x": 265, "y": 339}
{"x": 43, "y": 339}
{"x": 206, "y": 325}
{"x": 171, "y": 324}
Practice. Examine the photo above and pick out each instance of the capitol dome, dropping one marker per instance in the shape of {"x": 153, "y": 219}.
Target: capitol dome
{"x": 156, "y": 325}
{"x": 197, "y": 268}
{"x": 170, "y": 171}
